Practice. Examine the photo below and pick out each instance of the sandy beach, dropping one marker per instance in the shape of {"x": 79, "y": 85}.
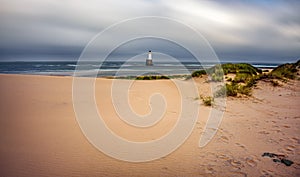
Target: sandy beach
{"x": 40, "y": 136}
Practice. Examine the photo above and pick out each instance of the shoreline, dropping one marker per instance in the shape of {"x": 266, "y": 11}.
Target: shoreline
{"x": 109, "y": 77}
{"x": 64, "y": 68}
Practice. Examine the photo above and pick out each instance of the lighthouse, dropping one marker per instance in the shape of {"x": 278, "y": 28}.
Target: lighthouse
{"x": 149, "y": 59}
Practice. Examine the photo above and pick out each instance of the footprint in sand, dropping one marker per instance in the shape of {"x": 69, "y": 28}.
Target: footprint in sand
{"x": 264, "y": 132}
{"x": 295, "y": 140}
{"x": 235, "y": 163}
{"x": 287, "y": 126}
{"x": 223, "y": 157}
{"x": 272, "y": 141}
{"x": 224, "y": 139}
{"x": 199, "y": 125}
{"x": 240, "y": 145}
{"x": 297, "y": 117}
{"x": 251, "y": 162}
{"x": 239, "y": 173}
{"x": 289, "y": 148}
{"x": 267, "y": 173}
{"x": 278, "y": 131}
{"x": 164, "y": 168}
{"x": 209, "y": 170}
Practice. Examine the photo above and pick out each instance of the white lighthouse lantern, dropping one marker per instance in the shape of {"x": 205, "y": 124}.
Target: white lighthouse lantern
{"x": 149, "y": 59}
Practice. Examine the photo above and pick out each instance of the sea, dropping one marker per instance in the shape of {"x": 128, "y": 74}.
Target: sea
{"x": 111, "y": 68}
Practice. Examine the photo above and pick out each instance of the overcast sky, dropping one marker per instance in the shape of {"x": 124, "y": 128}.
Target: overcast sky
{"x": 258, "y": 30}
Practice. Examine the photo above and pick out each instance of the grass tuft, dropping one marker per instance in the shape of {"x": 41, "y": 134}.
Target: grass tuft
{"x": 198, "y": 73}
{"x": 207, "y": 100}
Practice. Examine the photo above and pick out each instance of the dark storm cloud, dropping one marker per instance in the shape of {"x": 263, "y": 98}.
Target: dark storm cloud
{"x": 245, "y": 30}
{"x": 157, "y": 45}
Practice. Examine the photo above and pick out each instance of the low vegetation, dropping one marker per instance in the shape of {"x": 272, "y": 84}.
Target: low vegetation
{"x": 198, "y": 73}
{"x": 286, "y": 71}
{"x": 246, "y": 77}
{"x": 152, "y": 77}
{"x": 216, "y": 73}
{"x": 207, "y": 100}
{"x": 240, "y": 68}
{"x": 233, "y": 89}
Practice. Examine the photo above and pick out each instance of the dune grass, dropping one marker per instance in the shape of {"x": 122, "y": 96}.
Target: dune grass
{"x": 198, "y": 73}
{"x": 207, "y": 100}
{"x": 233, "y": 89}
{"x": 240, "y": 68}
{"x": 152, "y": 77}
{"x": 246, "y": 77}
{"x": 286, "y": 71}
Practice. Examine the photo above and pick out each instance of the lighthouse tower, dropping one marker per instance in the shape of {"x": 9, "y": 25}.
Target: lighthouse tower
{"x": 149, "y": 59}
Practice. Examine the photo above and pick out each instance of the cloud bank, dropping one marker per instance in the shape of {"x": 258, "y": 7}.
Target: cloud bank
{"x": 237, "y": 30}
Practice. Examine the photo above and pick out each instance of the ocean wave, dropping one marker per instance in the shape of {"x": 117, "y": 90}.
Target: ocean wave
{"x": 71, "y": 65}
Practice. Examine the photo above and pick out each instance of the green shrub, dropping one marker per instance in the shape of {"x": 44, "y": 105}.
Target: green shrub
{"x": 249, "y": 75}
{"x": 243, "y": 71}
{"x": 231, "y": 89}
{"x": 207, "y": 101}
{"x": 151, "y": 77}
{"x": 217, "y": 78}
{"x": 139, "y": 78}
{"x": 221, "y": 92}
{"x": 244, "y": 90}
{"x": 216, "y": 73}
{"x": 240, "y": 68}
{"x": 285, "y": 71}
{"x": 251, "y": 82}
{"x": 198, "y": 73}
{"x": 164, "y": 77}
{"x": 242, "y": 77}
{"x": 227, "y": 90}
{"x": 146, "y": 78}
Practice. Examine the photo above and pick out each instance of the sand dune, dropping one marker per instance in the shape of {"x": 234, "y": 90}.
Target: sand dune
{"x": 40, "y": 136}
